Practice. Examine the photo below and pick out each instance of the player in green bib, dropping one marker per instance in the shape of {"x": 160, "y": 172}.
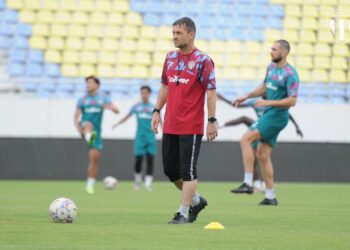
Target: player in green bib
{"x": 88, "y": 120}
{"x": 280, "y": 87}
{"x": 145, "y": 144}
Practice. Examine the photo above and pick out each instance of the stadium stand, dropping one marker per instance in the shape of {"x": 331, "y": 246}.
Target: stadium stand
{"x": 125, "y": 42}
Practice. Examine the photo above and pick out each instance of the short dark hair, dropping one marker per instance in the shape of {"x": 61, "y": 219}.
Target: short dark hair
{"x": 284, "y": 44}
{"x": 147, "y": 88}
{"x": 188, "y": 22}
{"x": 96, "y": 80}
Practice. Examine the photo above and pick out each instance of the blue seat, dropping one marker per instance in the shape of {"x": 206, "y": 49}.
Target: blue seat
{"x": 238, "y": 34}
{"x": 52, "y": 70}
{"x": 10, "y": 16}
{"x": 169, "y": 19}
{"x": 18, "y": 55}
{"x": 275, "y": 23}
{"x": 152, "y": 19}
{"x": 154, "y": 7}
{"x": 16, "y": 69}
{"x": 259, "y": 22}
{"x": 259, "y": 10}
{"x": 23, "y": 29}
{"x": 20, "y": 42}
{"x": 276, "y": 10}
{"x": 5, "y": 42}
{"x": 190, "y": 8}
{"x": 2, "y": 4}
{"x": 256, "y": 35}
{"x": 65, "y": 88}
{"x": 29, "y": 85}
{"x": 138, "y": 6}
{"x": 242, "y": 9}
{"x": 242, "y": 22}
{"x": 6, "y": 28}
{"x": 35, "y": 55}
{"x": 34, "y": 69}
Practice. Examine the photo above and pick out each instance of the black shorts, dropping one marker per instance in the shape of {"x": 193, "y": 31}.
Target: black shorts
{"x": 180, "y": 154}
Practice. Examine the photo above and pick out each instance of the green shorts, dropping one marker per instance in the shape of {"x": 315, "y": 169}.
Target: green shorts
{"x": 145, "y": 145}
{"x": 270, "y": 125}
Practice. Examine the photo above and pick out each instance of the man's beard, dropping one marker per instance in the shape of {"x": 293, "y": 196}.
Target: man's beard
{"x": 277, "y": 60}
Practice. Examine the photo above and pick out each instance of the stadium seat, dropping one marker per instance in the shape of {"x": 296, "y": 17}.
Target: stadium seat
{"x": 92, "y": 44}
{"x": 73, "y": 43}
{"x": 133, "y": 18}
{"x": 339, "y": 63}
{"x": 86, "y": 70}
{"x": 10, "y": 16}
{"x": 53, "y": 56}
{"x": 5, "y": 42}
{"x": 32, "y": 4}
{"x": 308, "y": 36}
{"x": 304, "y": 75}
{"x": 125, "y": 58}
{"x": 320, "y": 76}
{"x": 88, "y": 57}
{"x": 52, "y": 70}
{"x": 158, "y": 59}
{"x": 291, "y": 23}
{"x": 305, "y": 49}
{"x": 20, "y": 42}
{"x": 103, "y": 5}
{"x": 62, "y": 17}
{"x": 202, "y": 45}
{"x": 251, "y": 60}
{"x": 310, "y": 11}
{"x": 145, "y": 45}
{"x": 74, "y": 30}
{"x": 40, "y": 29}
{"x": 247, "y": 73}
{"x": 218, "y": 59}
{"x": 128, "y": 45}
{"x": 35, "y": 56}
{"x": 292, "y": 10}
{"x": 230, "y": 74}
{"x": 55, "y": 43}
{"x": 70, "y": 70}
{"x": 58, "y": 30}
{"x": 164, "y": 32}
{"x": 309, "y": 23}
{"x": 18, "y": 55}
{"x": 95, "y": 30}
{"x": 152, "y": 19}
{"x": 23, "y": 29}
{"x": 50, "y": 5}
{"x": 112, "y": 31}
{"x": 322, "y": 62}
{"x": 156, "y": 72}
{"x": 341, "y": 50}
{"x": 325, "y": 37}
{"x": 27, "y": 16}
{"x": 109, "y": 44}
{"x": 16, "y": 69}
{"x": 253, "y": 47}
{"x": 322, "y": 49}
{"x": 70, "y": 56}
{"x": 15, "y": 4}
{"x": 130, "y": 32}
{"x": 37, "y": 42}
{"x": 121, "y": 6}
{"x": 291, "y": 36}
{"x": 164, "y": 45}
{"x": 142, "y": 58}
{"x": 34, "y": 69}
{"x": 233, "y": 60}
{"x": 105, "y": 71}
{"x": 86, "y": 5}
{"x": 98, "y": 18}
{"x": 79, "y": 17}
{"x": 107, "y": 57}
{"x": 45, "y": 16}
{"x": 304, "y": 62}
{"x": 123, "y": 71}
{"x": 216, "y": 46}
{"x": 339, "y": 76}
{"x": 148, "y": 32}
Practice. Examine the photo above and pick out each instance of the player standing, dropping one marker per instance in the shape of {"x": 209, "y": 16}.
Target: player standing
{"x": 88, "y": 120}
{"x": 145, "y": 144}
{"x": 280, "y": 87}
{"x": 188, "y": 74}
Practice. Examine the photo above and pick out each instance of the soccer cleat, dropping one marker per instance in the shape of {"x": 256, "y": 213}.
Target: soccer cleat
{"x": 243, "y": 189}
{"x": 148, "y": 188}
{"x": 269, "y": 202}
{"x": 90, "y": 190}
{"x": 92, "y": 138}
{"x": 179, "y": 219}
{"x": 194, "y": 211}
{"x": 137, "y": 186}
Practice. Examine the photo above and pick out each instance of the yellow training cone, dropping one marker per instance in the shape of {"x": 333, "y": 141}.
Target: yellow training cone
{"x": 214, "y": 225}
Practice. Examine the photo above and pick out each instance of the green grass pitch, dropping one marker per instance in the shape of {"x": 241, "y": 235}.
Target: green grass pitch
{"x": 310, "y": 216}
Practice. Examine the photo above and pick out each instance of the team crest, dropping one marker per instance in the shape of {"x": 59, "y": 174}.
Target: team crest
{"x": 191, "y": 65}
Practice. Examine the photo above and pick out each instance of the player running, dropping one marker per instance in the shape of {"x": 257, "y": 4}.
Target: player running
{"x": 145, "y": 144}
{"x": 188, "y": 75}
{"x": 259, "y": 111}
{"x": 88, "y": 120}
{"x": 280, "y": 87}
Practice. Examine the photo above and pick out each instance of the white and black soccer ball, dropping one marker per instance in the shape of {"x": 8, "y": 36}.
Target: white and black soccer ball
{"x": 110, "y": 182}
{"x": 63, "y": 210}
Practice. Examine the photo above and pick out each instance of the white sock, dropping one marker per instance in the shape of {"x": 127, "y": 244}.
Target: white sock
{"x": 184, "y": 210}
{"x": 195, "y": 200}
{"x": 138, "y": 178}
{"x": 258, "y": 184}
{"x": 248, "y": 179}
{"x": 270, "y": 193}
{"x": 88, "y": 136}
{"x": 148, "y": 180}
{"x": 90, "y": 182}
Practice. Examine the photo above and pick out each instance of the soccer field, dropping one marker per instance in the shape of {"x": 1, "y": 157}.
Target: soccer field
{"x": 310, "y": 216}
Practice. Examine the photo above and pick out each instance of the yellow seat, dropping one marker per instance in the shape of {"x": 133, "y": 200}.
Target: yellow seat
{"x": 309, "y": 23}
{"x": 98, "y": 18}
{"x": 329, "y": 2}
{"x": 322, "y": 49}
{"x": 293, "y": 49}
{"x": 63, "y": 17}
{"x": 107, "y": 57}
{"x": 40, "y": 29}
{"x": 50, "y": 5}
{"x": 70, "y": 70}
{"x": 145, "y": 45}
{"x": 279, "y": 1}
{"x": 32, "y": 4}
{"x": 53, "y": 56}
{"x": 272, "y": 35}
{"x": 216, "y": 46}
{"x": 308, "y": 36}
{"x": 218, "y": 59}
{"x": 86, "y": 5}
{"x": 164, "y": 32}
{"x": 305, "y": 49}
{"x": 323, "y": 24}
{"x": 339, "y": 63}
{"x": 304, "y": 62}
{"x": 58, "y": 30}
{"x": 76, "y": 30}
{"x": 93, "y": 44}
{"x": 247, "y": 73}
{"x": 233, "y": 60}
{"x": 95, "y": 31}
{"x": 104, "y": 5}
{"x": 71, "y": 57}
{"x": 115, "y": 18}
{"x": 15, "y": 4}
{"x": 253, "y": 47}
{"x": 143, "y": 58}
{"x": 292, "y": 10}
{"x": 164, "y": 45}
{"x": 341, "y": 50}
{"x": 133, "y": 18}
{"x": 79, "y": 17}
{"x": 325, "y": 36}
{"x": 86, "y": 70}
{"x": 45, "y": 16}
{"x": 234, "y": 46}
{"x": 55, "y": 43}
{"x": 69, "y": 5}
{"x": 131, "y": 32}
{"x": 158, "y": 59}
{"x": 291, "y": 35}
{"x": 112, "y": 31}
{"x": 148, "y": 32}
{"x": 202, "y": 45}
{"x": 37, "y": 42}
{"x": 304, "y": 75}
{"x": 122, "y": 71}
{"x": 312, "y": 2}
{"x": 125, "y": 58}
{"x": 105, "y": 71}
{"x": 156, "y": 72}
{"x": 140, "y": 72}
{"x": 121, "y": 6}
{"x": 326, "y": 11}
{"x": 27, "y": 16}
{"x": 310, "y": 11}
{"x": 320, "y": 76}
{"x": 230, "y": 74}
{"x": 109, "y": 44}
{"x": 251, "y": 61}
{"x": 291, "y": 23}
{"x": 322, "y": 62}
{"x": 128, "y": 45}
{"x": 74, "y": 43}
{"x": 88, "y": 57}
{"x": 337, "y": 75}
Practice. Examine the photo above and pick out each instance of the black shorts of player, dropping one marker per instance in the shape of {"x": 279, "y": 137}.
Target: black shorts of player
{"x": 180, "y": 154}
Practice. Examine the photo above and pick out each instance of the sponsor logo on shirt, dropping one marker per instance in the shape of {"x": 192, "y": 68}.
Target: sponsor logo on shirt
{"x": 176, "y": 79}
{"x": 191, "y": 65}
{"x": 145, "y": 116}
{"x": 93, "y": 110}
{"x": 269, "y": 85}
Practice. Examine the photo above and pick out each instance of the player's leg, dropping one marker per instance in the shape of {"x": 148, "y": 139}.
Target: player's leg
{"x": 138, "y": 172}
{"x": 94, "y": 160}
{"x": 264, "y": 157}
{"x": 88, "y": 132}
{"x": 248, "y": 156}
{"x": 257, "y": 175}
{"x": 241, "y": 120}
{"x": 149, "y": 172}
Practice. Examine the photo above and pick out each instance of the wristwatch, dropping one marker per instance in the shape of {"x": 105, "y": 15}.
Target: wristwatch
{"x": 212, "y": 119}
{"x": 156, "y": 110}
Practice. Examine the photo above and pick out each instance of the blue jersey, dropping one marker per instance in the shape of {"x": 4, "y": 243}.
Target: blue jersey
{"x": 92, "y": 109}
{"x": 143, "y": 112}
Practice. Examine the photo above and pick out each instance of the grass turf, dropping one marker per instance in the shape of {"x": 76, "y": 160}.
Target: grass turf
{"x": 310, "y": 216}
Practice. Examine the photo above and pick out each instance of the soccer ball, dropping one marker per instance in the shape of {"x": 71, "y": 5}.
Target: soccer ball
{"x": 63, "y": 210}
{"x": 109, "y": 182}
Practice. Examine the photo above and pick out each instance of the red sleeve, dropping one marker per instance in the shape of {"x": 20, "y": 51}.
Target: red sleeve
{"x": 207, "y": 75}
{"x": 164, "y": 77}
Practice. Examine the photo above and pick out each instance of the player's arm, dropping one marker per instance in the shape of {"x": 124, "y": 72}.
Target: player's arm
{"x": 212, "y": 129}
{"x": 161, "y": 100}
{"x": 259, "y": 91}
{"x": 124, "y": 119}
{"x": 111, "y": 107}
{"x": 298, "y": 130}
{"x": 77, "y": 115}
{"x": 283, "y": 103}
